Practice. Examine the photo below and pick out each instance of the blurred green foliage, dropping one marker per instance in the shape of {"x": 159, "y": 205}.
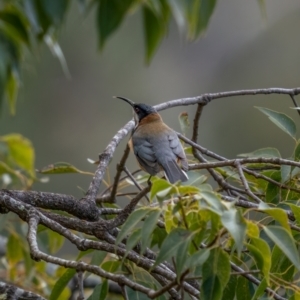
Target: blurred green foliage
{"x": 25, "y": 24}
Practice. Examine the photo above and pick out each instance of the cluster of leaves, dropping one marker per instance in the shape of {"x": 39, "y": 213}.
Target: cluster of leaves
{"x": 25, "y": 24}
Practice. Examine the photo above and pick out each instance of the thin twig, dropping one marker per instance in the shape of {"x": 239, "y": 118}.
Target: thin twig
{"x": 120, "y": 167}
{"x": 134, "y": 181}
{"x": 246, "y": 160}
{"x": 163, "y": 289}
{"x": 295, "y": 103}
{"x": 122, "y": 217}
{"x": 105, "y": 195}
{"x": 245, "y": 183}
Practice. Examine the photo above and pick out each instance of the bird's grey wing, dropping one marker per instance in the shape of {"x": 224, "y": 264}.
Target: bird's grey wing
{"x": 177, "y": 149}
{"x": 145, "y": 155}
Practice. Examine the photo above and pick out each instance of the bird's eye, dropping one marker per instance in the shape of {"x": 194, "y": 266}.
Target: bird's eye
{"x": 136, "y": 109}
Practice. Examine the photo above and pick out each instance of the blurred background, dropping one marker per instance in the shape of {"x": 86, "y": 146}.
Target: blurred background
{"x": 74, "y": 119}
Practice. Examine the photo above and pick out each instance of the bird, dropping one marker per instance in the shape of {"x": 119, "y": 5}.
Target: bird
{"x": 155, "y": 145}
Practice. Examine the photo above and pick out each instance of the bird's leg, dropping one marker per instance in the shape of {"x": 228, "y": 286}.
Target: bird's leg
{"x": 149, "y": 181}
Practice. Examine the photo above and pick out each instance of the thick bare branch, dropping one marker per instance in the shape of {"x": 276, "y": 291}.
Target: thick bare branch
{"x": 9, "y": 291}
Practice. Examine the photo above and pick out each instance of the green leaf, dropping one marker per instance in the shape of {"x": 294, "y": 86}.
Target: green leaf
{"x": 242, "y": 291}
{"x": 109, "y": 17}
{"x": 179, "y": 11}
{"x": 131, "y": 222}
{"x": 264, "y": 152}
{"x": 135, "y": 295}
{"x": 252, "y": 229}
{"x": 98, "y": 257}
{"x": 159, "y": 235}
{"x": 283, "y": 121}
{"x": 281, "y": 265}
{"x": 61, "y": 283}
{"x": 295, "y": 296}
{"x": 21, "y": 151}
{"x": 148, "y": 227}
{"x": 14, "y": 251}
{"x": 193, "y": 15}
{"x": 38, "y": 17}
{"x": 229, "y": 291}
{"x": 56, "y": 241}
{"x": 205, "y": 13}
{"x": 100, "y": 291}
{"x": 213, "y": 201}
{"x": 161, "y": 188}
{"x": 285, "y": 173}
{"x": 15, "y": 19}
{"x": 111, "y": 266}
{"x": 56, "y": 10}
{"x": 211, "y": 288}
{"x": 262, "y": 255}
{"x": 260, "y": 289}
{"x": 180, "y": 259}
{"x": 172, "y": 243}
{"x": 272, "y": 192}
{"x": 233, "y": 221}
{"x": 216, "y": 273}
{"x": 84, "y": 253}
{"x": 198, "y": 258}
{"x": 188, "y": 190}
{"x": 277, "y": 213}
{"x": 284, "y": 240}
{"x": 133, "y": 239}
{"x": 155, "y": 27}
{"x": 61, "y": 168}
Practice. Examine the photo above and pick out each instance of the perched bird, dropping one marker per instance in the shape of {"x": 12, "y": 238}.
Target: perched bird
{"x": 155, "y": 145}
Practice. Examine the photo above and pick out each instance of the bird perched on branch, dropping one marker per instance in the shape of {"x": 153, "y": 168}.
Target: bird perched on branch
{"x": 155, "y": 145}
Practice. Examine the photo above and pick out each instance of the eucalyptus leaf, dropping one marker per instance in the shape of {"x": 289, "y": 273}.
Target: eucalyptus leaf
{"x": 264, "y": 152}
{"x": 100, "y": 291}
{"x": 109, "y": 17}
{"x": 61, "y": 168}
{"x": 61, "y": 284}
{"x": 284, "y": 240}
{"x": 155, "y": 27}
{"x": 131, "y": 222}
{"x": 172, "y": 243}
{"x": 233, "y": 221}
{"x": 148, "y": 227}
{"x": 283, "y": 121}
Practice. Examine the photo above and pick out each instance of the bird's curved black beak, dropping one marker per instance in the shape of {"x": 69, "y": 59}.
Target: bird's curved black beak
{"x": 126, "y": 100}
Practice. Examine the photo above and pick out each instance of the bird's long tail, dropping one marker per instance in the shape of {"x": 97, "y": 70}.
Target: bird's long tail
{"x": 174, "y": 172}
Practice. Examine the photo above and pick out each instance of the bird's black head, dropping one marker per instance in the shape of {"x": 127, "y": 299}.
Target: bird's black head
{"x": 141, "y": 110}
